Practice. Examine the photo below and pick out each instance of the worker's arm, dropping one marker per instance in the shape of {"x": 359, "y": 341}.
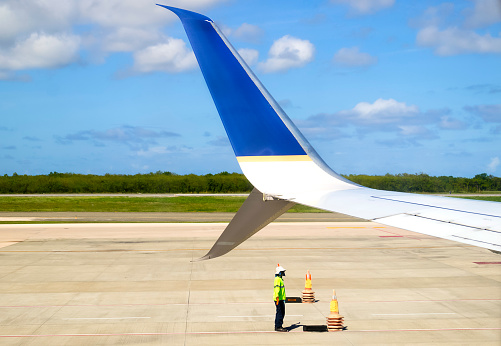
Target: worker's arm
{"x": 276, "y": 291}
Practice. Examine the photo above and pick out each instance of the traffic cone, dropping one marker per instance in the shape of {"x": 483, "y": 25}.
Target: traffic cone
{"x": 335, "y": 320}
{"x": 308, "y": 294}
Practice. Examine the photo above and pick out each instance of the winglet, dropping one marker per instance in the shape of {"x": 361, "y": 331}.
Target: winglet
{"x": 273, "y": 154}
{"x": 257, "y": 127}
{"x": 254, "y": 122}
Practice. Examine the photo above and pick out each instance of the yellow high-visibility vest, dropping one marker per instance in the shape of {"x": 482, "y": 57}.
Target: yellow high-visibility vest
{"x": 279, "y": 289}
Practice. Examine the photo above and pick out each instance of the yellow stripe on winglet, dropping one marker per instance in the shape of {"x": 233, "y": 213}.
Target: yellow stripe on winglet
{"x": 273, "y": 158}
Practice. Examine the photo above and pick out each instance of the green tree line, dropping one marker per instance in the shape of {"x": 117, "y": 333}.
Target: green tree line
{"x": 224, "y": 182}
{"x": 425, "y": 183}
{"x": 159, "y": 182}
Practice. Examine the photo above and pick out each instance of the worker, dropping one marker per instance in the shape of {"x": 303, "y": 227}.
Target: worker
{"x": 279, "y": 298}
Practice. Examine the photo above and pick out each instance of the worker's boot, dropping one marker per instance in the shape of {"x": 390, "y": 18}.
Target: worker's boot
{"x": 281, "y": 329}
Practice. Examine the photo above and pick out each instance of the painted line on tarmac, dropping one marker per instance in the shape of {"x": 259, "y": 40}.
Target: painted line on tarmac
{"x": 102, "y": 318}
{"x": 134, "y": 334}
{"x": 237, "y": 332}
{"x": 241, "y": 303}
{"x": 421, "y": 301}
{"x": 107, "y": 250}
{"x": 108, "y": 305}
{"x": 418, "y": 313}
{"x": 258, "y": 316}
{"x": 395, "y": 235}
{"x": 418, "y": 330}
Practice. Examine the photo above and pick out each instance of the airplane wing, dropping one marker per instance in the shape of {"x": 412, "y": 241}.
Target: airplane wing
{"x": 285, "y": 169}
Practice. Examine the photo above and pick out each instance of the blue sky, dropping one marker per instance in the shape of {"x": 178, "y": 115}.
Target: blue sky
{"x": 377, "y": 86}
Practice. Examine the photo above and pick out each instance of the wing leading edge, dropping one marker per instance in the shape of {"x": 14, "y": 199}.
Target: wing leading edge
{"x": 279, "y": 161}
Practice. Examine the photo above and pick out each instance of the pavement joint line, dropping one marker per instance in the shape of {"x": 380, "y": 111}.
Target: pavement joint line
{"x": 189, "y": 295}
{"x": 240, "y": 332}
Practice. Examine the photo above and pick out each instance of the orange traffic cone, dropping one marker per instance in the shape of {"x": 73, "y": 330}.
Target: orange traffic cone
{"x": 308, "y": 294}
{"x": 335, "y": 320}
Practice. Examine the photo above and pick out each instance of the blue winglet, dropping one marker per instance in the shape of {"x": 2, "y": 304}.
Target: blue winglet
{"x": 254, "y": 122}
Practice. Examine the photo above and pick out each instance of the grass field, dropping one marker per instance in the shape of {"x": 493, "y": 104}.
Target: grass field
{"x": 485, "y": 198}
{"x": 145, "y": 204}
{"x": 179, "y": 204}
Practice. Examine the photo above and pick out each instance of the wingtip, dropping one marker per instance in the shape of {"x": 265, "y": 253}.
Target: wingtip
{"x": 185, "y": 14}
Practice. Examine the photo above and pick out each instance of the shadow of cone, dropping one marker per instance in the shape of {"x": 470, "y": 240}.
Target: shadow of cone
{"x": 308, "y": 294}
{"x": 335, "y": 320}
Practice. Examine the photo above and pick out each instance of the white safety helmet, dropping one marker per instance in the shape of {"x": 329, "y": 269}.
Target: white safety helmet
{"x": 279, "y": 269}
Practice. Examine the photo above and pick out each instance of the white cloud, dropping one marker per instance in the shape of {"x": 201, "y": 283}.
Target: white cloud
{"x": 32, "y": 27}
{"x": 156, "y": 151}
{"x": 129, "y": 39}
{"x": 353, "y": 57}
{"x": 133, "y": 13}
{"x": 365, "y": 6}
{"x": 416, "y": 131}
{"x": 406, "y": 122}
{"x": 41, "y": 51}
{"x": 449, "y": 123}
{"x": 160, "y": 150}
{"x": 125, "y": 25}
{"x": 493, "y": 165}
{"x": 434, "y": 15}
{"x": 485, "y": 12}
{"x": 171, "y": 56}
{"x": 122, "y": 13}
{"x": 286, "y": 53}
{"x": 220, "y": 141}
{"x": 249, "y": 55}
{"x": 249, "y": 33}
{"x": 380, "y": 112}
{"x": 412, "y": 130}
{"x": 450, "y": 33}
{"x": 382, "y": 115}
{"x": 489, "y": 113}
{"x": 136, "y": 137}
{"x": 22, "y": 18}
{"x": 453, "y": 40}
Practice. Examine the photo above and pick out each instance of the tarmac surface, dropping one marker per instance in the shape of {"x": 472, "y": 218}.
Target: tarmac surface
{"x": 159, "y": 217}
{"x": 136, "y": 284}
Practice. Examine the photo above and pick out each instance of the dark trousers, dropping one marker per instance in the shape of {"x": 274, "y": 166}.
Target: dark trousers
{"x": 279, "y": 317}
